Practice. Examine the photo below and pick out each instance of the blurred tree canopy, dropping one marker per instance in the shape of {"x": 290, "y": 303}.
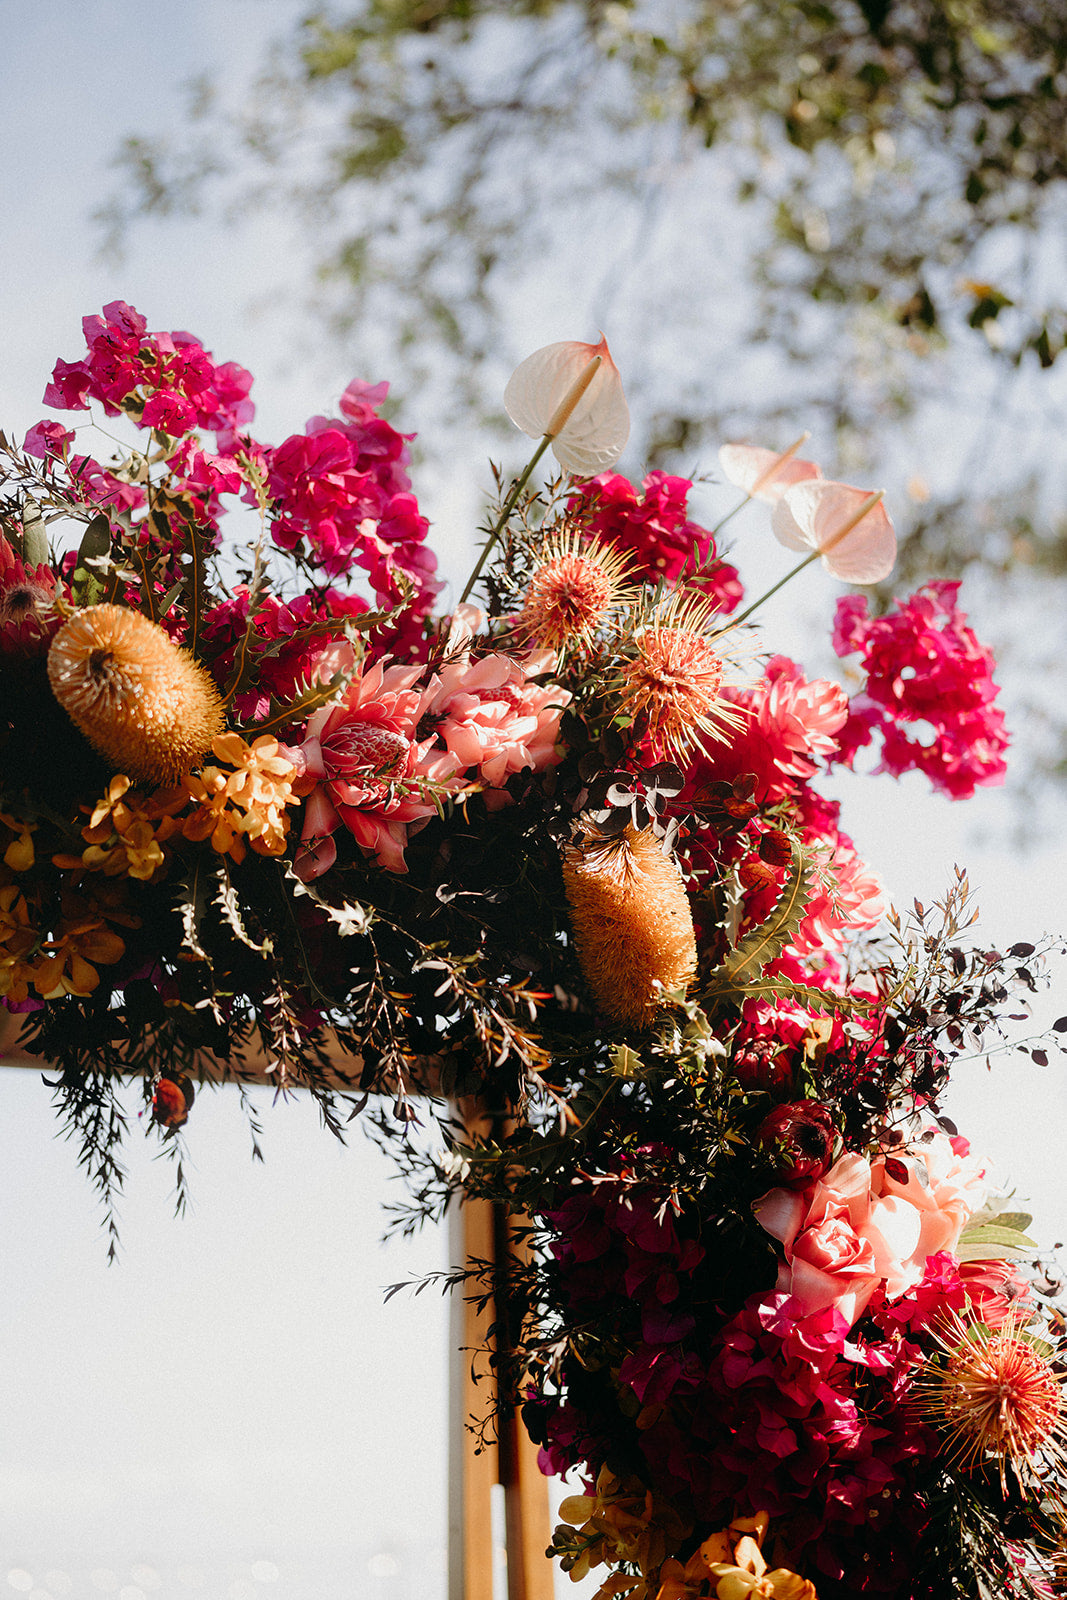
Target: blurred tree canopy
{"x": 841, "y": 214}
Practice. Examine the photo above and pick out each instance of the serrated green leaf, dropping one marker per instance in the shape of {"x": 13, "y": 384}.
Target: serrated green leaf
{"x": 821, "y": 1001}
{"x": 241, "y": 674}
{"x": 194, "y": 570}
{"x": 626, "y": 1063}
{"x": 764, "y": 944}
{"x": 230, "y": 906}
{"x": 192, "y": 905}
{"x": 298, "y": 709}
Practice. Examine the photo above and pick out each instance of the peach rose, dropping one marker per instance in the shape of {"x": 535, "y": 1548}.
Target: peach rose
{"x": 857, "y": 1229}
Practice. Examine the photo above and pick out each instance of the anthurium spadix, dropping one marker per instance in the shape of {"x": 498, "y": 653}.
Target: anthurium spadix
{"x": 571, "y": 394}
{"x": 849, "y": 528}
{"x": 765, "y": 474}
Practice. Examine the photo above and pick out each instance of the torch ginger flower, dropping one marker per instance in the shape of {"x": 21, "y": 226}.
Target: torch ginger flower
{"x": 373, "y": 774}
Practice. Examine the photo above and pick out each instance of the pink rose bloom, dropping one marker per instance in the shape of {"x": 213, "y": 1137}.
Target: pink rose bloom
{"x": 944, "y": 1188}
{"x": 493, "y": 719}
{"x": 835, "y": 1254}
{"x": 375, "y": 775}
{"x": 856, "y": 1230}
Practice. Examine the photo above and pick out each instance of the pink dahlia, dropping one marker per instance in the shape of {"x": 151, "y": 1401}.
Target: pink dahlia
{"x": 494, "y": 719}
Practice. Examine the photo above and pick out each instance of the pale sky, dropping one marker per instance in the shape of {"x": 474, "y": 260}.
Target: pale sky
{"x": 230, "y": 1411}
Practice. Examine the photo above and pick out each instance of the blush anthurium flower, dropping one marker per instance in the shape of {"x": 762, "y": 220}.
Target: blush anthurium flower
{"x": 765, "y": 474}
{"x": 849, "y": 528}
{"x": 571, "y": 393}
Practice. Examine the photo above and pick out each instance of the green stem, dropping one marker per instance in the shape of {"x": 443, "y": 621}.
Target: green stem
{"x": 740, "y": 506}
{"x": 736, "y": 622}
{"x": 508, "y": 507}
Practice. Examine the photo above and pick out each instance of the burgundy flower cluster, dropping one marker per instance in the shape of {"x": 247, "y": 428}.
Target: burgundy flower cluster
{"x": 924, "y": 666}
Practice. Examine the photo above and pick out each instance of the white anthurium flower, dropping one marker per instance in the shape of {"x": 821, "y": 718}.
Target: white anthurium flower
{"x": 850, "y": 528}
{"x": 765, "y": 474}
{"x": 572, "y": 393}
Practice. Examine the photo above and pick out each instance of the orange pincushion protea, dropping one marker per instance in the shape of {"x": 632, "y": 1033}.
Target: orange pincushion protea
{"x": 573, "y": 590}
{"x": 672, "y": 679}
{"x": 138, "y": 698}
{"x": 633, "y": 929}
{"x": 996, "y": 1394}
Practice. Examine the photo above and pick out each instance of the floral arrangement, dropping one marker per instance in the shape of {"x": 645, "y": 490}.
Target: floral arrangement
{"x": 561, "y": 854}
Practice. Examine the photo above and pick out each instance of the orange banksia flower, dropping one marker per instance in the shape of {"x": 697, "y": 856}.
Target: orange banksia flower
{"x": 672, "y": 677}
{"x": 633, "y": 928}
{"x": 574, "y": 589}
{"x": 139, "y": 699}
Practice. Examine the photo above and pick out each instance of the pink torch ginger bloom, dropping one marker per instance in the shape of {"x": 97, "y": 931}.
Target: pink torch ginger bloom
{"x": 765, "y": 474}
{"x": 583, "y": 411}
{"x": 858, "y": 1229}
{"x": 849, "y": 527}
{"x": 997, "y": 1292}
{"x": 375, "y": 776}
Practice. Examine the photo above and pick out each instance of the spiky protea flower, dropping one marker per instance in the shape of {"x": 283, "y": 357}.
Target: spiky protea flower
{"x": 994, "y": 1393}
{"x": 142, "y": 701}
{"x": 633, "y": 929}
{"x": 574, "y": 588}
{"x": 672, "y": 677}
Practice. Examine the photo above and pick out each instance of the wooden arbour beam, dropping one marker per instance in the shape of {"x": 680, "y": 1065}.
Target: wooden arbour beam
{"x": 480, "y": 1231}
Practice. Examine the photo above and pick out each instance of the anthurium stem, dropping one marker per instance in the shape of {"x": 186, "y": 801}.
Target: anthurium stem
{"x": 807, "y": 561}
{"x": 508, "y": 507}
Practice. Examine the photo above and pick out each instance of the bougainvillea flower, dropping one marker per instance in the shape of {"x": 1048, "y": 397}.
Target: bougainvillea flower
{"x": 583, "y": 411}
{"x": 765, "y": 474}
{"x": 850, "y": 528}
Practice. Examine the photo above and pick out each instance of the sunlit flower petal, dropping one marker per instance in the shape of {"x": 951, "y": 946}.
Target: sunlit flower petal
{"x": 588, "y": 425}
{"x": 849, "y": 527}
{"x": 765, "y": 474}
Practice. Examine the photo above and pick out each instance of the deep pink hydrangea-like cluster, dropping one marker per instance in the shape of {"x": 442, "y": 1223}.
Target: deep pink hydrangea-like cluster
{"x": 653, "y": 529}
{"x": 924, "y": 666}
{"x": 342, "y": 493}
{"x": 339, "y": 492}
{"x": 167, "y": 381}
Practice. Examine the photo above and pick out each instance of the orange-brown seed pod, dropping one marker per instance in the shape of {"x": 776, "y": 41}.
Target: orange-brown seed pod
{"x": 142, "y": 701}
{"x": 633, "y": 929}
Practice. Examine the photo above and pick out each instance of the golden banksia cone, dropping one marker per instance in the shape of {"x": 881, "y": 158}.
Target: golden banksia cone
{"x": 138, "y": 698}
{"x": 633, "y": 929}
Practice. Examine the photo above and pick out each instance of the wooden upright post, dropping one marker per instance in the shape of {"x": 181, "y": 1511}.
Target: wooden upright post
{"x": 480, "y": 1232}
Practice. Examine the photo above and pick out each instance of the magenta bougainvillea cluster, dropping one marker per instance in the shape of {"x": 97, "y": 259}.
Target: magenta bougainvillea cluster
{"x": 563, "y": 852}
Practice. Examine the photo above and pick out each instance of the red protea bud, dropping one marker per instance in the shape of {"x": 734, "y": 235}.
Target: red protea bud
{"x": 799, "y": 1136}
{"x": 171, "y": 1100}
